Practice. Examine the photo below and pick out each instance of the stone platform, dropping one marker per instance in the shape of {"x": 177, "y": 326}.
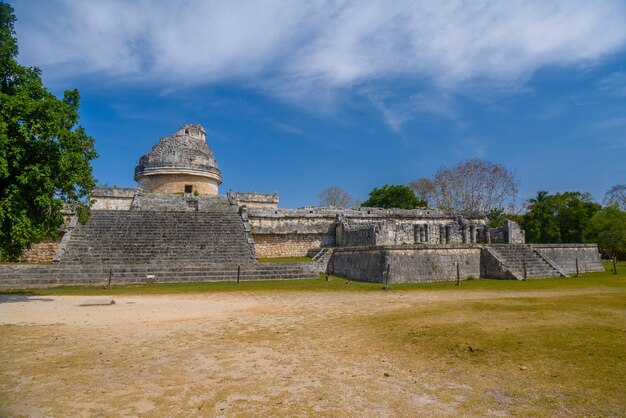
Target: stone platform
{"x": 432, "y": 263}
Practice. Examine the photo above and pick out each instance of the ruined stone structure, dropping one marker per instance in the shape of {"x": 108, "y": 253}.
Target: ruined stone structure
{"x": 174, "y": 227}
{"x": 180, "y": 163}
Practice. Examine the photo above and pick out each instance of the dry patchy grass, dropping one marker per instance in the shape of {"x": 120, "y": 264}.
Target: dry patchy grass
{"x": 490, "y": 348}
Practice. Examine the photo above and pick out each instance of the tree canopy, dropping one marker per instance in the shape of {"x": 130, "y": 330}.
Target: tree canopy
{"x": 607, "y": 228}
{"x": 559, "y": 218}
{"x": 394, "y": 196}
{"x": 45, "y": 156}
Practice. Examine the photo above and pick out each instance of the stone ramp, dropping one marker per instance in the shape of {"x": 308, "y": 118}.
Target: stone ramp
{"x": 215, "y": 235}
{"x": 523, "y": 262}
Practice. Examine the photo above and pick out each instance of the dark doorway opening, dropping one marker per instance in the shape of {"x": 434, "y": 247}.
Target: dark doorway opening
{"x": 188, "y": 188}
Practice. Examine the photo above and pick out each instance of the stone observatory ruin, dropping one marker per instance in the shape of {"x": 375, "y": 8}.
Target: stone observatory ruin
{"x": 175, "y": 227}
{"x": 180, "y": 163}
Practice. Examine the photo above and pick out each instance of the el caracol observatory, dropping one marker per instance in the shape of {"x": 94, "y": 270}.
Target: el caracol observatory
{"x": 180, "y": 163}
{"x": 176, "y": 227}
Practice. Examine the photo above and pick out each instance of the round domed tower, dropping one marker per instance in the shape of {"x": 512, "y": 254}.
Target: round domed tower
{"x": 180, "y": 163}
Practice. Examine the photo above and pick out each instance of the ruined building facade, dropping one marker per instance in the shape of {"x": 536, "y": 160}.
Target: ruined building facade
{"x": 176, "y": 227}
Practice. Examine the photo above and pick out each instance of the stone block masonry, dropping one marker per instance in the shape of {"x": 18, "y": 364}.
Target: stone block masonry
{"x": 565, "y": 256}
{"x": 278, "y": 232}
{"x": 27, "y": 276}
{"x": 112, "y": 198}
{"x": 40, "y": 252}
{"x": 175, "y": 183}
{"x": 407, "y": 264}
{"x": 418, "y": 263}
{"x": 288, "y": 245}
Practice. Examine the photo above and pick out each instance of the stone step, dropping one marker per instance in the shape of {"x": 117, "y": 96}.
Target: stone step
{"x": 29, "y": 276}
{"x": 520, "y": 258}
{"x": 143, "y": 236}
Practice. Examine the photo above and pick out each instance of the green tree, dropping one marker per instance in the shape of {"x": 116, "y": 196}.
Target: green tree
{"x": 495, "y": 217}
{"x": 44, "y": 155}
{"x": 394, "y": 196}
{"x": 608, "y": 229}
{"x": 560, "y": 218}
{"x": 540, "y": 197}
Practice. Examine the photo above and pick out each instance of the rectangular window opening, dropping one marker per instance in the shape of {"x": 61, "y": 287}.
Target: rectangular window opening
{"x": 188, "y": 188}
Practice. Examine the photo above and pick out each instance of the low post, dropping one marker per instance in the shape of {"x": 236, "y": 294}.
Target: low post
{"x": 525, "y": 271}
{"x": 458, "y": 274}
{"x": 576, "y": 266}
{"x": 238, "y": 273}
{"x": 110, "y": 277}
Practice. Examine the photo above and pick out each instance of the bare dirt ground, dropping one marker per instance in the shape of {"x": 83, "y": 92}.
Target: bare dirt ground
{"x": 230, "y": 354}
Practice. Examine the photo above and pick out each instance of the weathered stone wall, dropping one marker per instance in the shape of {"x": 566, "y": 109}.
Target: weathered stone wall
{"x": 434, "y": 264}
{"x": 565, "y": 256}
{"x": 407, "y": 264}
{"x": 112, "y": 198}
{"x": 365, "y": 263}
{"x": 25, "y": 276}
{"x": 288, "y": 245}
{"x": 365, "y": 235}
{"x": 509, "y": 233}
{"x": 367, "y": 226}
{"x": 175, "y": 183}
{"x": 40, "y": 252}
{"x": 254, "y": 200}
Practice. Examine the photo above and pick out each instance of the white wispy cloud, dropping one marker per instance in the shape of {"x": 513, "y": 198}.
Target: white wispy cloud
{"x": 312, "y": 51}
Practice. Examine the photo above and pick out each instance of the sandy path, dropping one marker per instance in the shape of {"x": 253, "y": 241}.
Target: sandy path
{"x": 225, "y": 354}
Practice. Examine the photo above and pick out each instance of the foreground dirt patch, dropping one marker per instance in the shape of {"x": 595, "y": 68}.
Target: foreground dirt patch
{"x": 307, "y": 354}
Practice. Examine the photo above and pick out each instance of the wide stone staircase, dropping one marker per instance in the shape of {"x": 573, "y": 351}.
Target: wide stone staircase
{"x": 523, "y": 262}
{"x": 132, "y": 237}
{"x": 164, "y": 238}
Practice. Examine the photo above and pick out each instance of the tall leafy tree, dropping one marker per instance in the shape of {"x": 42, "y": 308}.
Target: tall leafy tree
{"x": 608, "y": 229}
{"x": 560, "y": 218}
{"x": 45, "y": 156}
{"x": 394, "y": 196}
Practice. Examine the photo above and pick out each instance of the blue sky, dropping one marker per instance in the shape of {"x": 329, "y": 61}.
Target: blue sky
{"x": 300, "y": 96}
